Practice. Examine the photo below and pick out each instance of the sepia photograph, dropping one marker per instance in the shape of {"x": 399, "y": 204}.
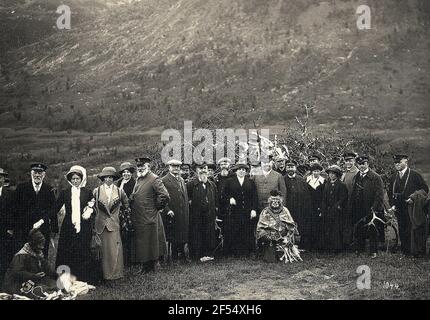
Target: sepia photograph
{"x": 214, "y": 154}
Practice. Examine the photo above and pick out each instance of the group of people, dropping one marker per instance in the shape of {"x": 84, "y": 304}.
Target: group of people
{"x": 136, "y": 217}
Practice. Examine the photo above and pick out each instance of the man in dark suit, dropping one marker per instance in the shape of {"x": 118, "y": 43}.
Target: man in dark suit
{"x": 7, "y": 241}
{"x": 402, "y": 185}
{"x": 34, "y": 204}
{"x": 176, "y": 214}
{"x": 366, "y": 197}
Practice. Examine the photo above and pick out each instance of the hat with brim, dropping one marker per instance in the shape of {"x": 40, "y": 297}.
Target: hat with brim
{"x": 200, "y": 165}
{"x": 335, "y": 169}
{"x": 126, "y": 166}
{"x": 174, "y": 162}
{"x": 185, "y": 166}
{"x": 73, "y": 171}
{"x": 291, "y": 162}
{"x": 142, "y": 160}
{"x": 108, "y": 172}
{"x": 224, "y": 160}
{"x": 239, "y": 166}
{"x": 3, "y": 172}
{"x": 362, "y": 158}
{"x": 38, "y": 167}
{"x": 316, "y": 166}
{"x": 314, "y": 156}
{"x": 212, "y": 166}
{"x": 303, "y": 168}
{"x": 349, "y": 155}
{"x": 400, "y": 156}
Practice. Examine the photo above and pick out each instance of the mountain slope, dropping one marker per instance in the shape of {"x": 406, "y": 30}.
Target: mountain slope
{"x": 222, "y": 63}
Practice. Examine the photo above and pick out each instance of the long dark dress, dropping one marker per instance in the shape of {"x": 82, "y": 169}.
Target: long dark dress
{"x": 316, "y": 192}
{"x": 299, "y": 203}
{"x": 74, "y": 249}
{"x": 239, "y": 231}
{"x": 333, "y": 209}
{"x": 202, "y": 218}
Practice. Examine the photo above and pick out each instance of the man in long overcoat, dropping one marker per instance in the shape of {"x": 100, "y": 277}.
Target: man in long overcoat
{"x": 366, "y": 198}
{"x": 176, "y": 214}
{"x": 203, "y": 210}
{"x": 148, "y": 199}
{"x": 299, "y": 203}
{"x": 402, "y": 185}
{"x": 34, "y": 205}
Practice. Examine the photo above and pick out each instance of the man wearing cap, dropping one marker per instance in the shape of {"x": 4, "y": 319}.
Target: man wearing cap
{"x": 203, "y": 210}
{"x": 280, "y": 164}
{"x": 34, "y": 203}
{"x": 299, "y": 203}
{"x": 350, "y": 170}
{"x": 267, "y": 180}
{"x": 366, "y": 197}
{"x": 148, "y": 199}
{"x": 240, "y": 195}
{"x": 405, "y": 185}
{"x": 176, "y": 213}
{"x": 7, "y": 226}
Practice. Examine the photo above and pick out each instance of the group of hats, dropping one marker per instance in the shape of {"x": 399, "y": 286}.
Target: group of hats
{"x": 111, "y": 171}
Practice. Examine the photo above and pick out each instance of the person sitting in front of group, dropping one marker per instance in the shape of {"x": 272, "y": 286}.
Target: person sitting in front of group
{"x": 29, "y": 264}
{"x": 274, "y": 224}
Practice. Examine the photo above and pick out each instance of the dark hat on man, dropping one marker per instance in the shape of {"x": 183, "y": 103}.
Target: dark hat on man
{"x": 126, "y": 166}
{"x": 362, "y": 158}
{"x": 238, "y": 166}
{"x": 400, "y": 156}
{"x": 200, "y": 165}
{"x": 316, "y": 166}
{"x": 303, "y": 168}
{"x": 335, "y": 169}
{"x": 3, "y": 172}
{"x": 185, "y": 165}
{"x": 314, "y": 156}
{"x": 38, "y": 166}
{"x": 142, "y": 160}
{"x": 35, "y": 237}
{"x": 349, "y": 155}
{"x": 291, "y": 162}
{"x": 108, "y": 172}
{"x": 212, "y": 166}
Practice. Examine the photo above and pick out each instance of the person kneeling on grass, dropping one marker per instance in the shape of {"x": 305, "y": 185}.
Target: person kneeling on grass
{"x": 275, "y": 232}
{"x": 29, "y": 268}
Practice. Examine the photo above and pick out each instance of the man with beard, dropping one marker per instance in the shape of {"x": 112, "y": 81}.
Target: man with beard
{"x": 148, "y": 199}
{"x": 240, "y": 195}
{"x": 176, "y": 213}
{"x": 203, "y": 196}
{"x": 405, "y": 185}
{"x": 366, "y": 199}
{"x": 34, "y": 203}
{"x": 280, "y": 164}
{"x": 299, "y": 203}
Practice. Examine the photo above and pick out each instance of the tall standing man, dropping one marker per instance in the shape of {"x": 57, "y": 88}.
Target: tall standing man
{"x": 34, "y": 204}
{"x": 350, "y": 170}
{"x": 148, "y": 199}
{"x": 7, "y": 227}
{"x": 403, "y": 184}
{"x": 366, "y": 197}
{"x": 176, "y": 213}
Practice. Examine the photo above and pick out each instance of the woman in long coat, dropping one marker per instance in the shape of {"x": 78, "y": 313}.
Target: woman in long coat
{"x": 240, "y": 195}
{"x": 109, "y": 198}
{"x": 74, "y": 244}
{"x": 333, "y": 210}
